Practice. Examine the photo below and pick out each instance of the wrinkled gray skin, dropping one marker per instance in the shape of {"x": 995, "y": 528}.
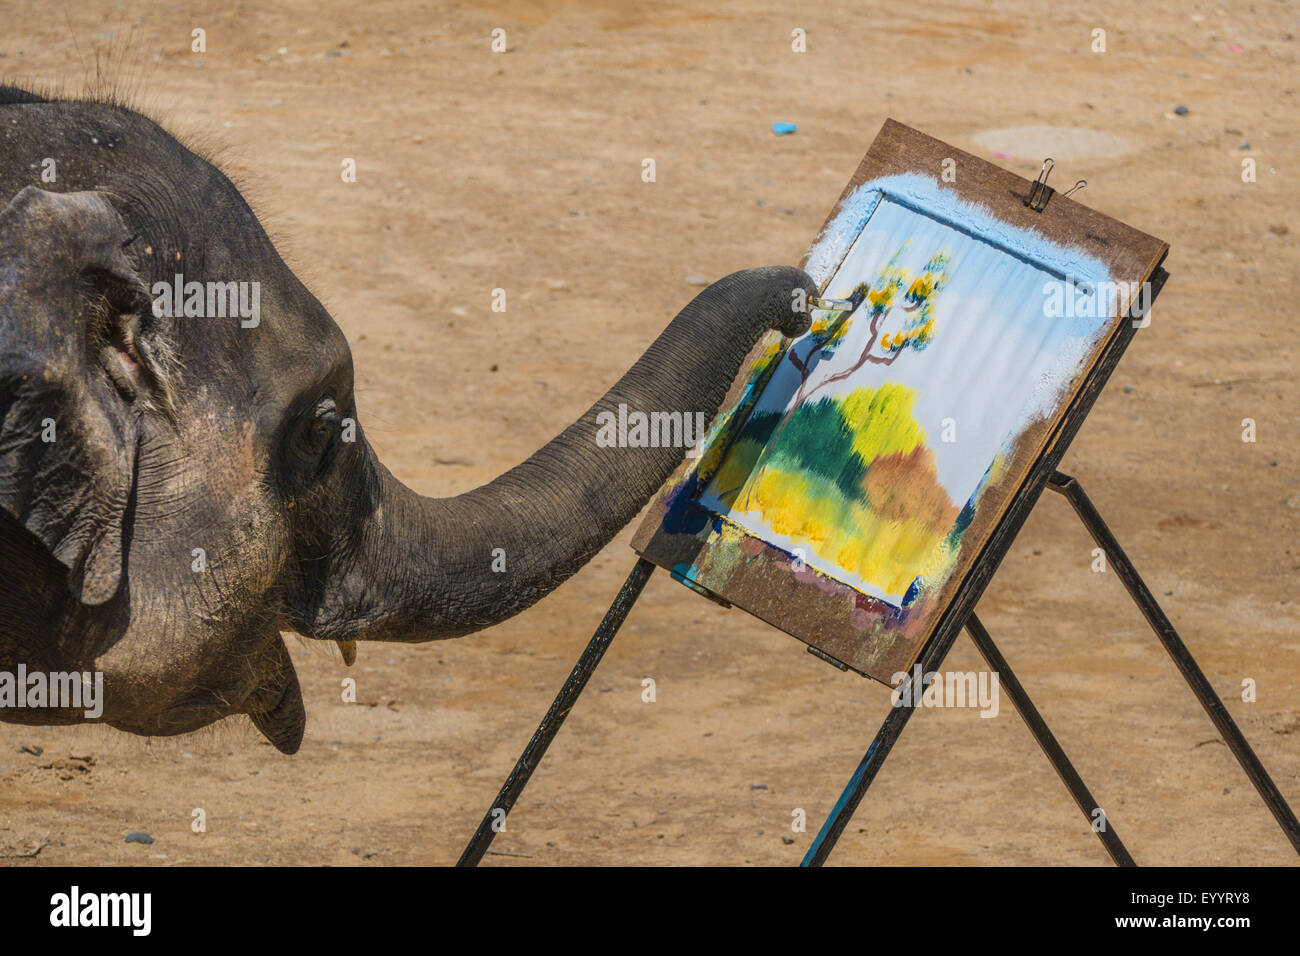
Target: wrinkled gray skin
{"x": 176, "y": 434}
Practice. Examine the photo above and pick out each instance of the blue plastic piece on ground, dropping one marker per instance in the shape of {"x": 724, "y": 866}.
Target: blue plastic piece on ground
{"x": 782, "y": 128}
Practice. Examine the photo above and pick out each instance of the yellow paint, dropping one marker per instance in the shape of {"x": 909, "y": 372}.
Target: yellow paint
{"x": 888, "y": 542}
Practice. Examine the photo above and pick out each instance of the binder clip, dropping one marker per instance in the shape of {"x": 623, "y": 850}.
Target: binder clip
{"x": 1040, "y": 192}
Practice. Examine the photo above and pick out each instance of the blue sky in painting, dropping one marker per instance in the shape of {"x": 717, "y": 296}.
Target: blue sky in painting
{"x": 997, "y": 361}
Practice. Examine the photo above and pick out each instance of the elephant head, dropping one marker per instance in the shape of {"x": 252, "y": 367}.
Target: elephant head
{"x": 181, "y": 481}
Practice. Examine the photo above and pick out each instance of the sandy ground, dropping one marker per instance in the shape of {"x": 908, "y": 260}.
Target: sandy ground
{"x": 522, "y": 170}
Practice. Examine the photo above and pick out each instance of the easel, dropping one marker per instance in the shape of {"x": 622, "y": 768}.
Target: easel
{"x": 959, "y": 613}
{"x": 930, "y": 661}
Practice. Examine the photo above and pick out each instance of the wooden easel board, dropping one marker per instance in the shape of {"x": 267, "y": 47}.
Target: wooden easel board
{"x": 861, "y": 483}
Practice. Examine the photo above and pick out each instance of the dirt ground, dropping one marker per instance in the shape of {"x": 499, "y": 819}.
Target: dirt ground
{"x": 522, "y": 170}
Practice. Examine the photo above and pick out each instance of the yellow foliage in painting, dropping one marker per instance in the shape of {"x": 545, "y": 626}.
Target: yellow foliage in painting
{"x": 922, "y": 287}
{"x": 890, "y": 554}
{"x": 789, "y": 512}
{"x": 887, "y": 523}
{"x": 735, "y": 469}
{"x": 881, "y": 420}
{"x": 823, "y": 323}
{"x": 888, "y": 284}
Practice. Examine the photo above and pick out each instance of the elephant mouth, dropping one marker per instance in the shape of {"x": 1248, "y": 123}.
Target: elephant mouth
{"x": 275, "y": 706}
{"x": 284, "y": 723}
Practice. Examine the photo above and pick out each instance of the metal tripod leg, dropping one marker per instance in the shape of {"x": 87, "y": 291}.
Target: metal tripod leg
{"x": 897, "y": 719}
{"x": 1047, "y": 741}
{"x": 1182, "y": 657}
{"x": 931, "y": 657}
{"x": 550, "y": 725}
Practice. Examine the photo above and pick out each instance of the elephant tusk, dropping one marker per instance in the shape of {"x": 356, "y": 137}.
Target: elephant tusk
{"x": 349, "y": 649}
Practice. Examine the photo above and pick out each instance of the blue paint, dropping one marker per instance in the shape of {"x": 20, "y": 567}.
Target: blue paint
{"x": 683, "y": 571}
{"x": 913, "y": 591}
{"x": 682, "y": 515}
{"x": 927, "y": 197}
{"x": 849, "y": 795}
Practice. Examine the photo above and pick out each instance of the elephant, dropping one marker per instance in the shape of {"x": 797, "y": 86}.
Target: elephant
{"x": 137, "y": 433}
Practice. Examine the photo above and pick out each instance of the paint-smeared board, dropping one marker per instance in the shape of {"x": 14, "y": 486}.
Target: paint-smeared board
{"x": 862, "y": 483}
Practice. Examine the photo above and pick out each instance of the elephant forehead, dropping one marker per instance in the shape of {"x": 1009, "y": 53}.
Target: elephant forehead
{"x": 300, "y": 345}
{"x": 291, "y": 347}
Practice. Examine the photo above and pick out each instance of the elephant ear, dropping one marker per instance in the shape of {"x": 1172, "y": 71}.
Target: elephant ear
{"x": 68, "y": 436}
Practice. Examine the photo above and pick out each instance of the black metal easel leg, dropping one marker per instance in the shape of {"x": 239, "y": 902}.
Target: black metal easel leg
{"x": 931, "y": 657}
{"x": 1182, "y": 657}
{"x": 892, "y": 728}
{"x": 1047, "y": 740}
{"x": 550, "y": 725}
{"x": 934, "y": 656}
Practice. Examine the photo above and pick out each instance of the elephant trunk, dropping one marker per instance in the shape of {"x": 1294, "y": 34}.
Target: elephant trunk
{"x": 423, "y": 569}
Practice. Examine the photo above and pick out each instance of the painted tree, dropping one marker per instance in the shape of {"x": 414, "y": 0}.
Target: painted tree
{"x": 893, "y": 286}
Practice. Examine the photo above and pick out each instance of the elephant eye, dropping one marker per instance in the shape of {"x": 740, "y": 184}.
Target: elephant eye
{"x": 319, "y": 434}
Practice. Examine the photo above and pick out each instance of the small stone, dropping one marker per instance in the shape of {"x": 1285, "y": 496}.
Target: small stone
{"x": 787, "y": 840}
{"x": 1181, "y": 110}
{"x": 1244, "y": 146}
{"x": 139, "y": 838}
{"x": 696, "y": 280}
